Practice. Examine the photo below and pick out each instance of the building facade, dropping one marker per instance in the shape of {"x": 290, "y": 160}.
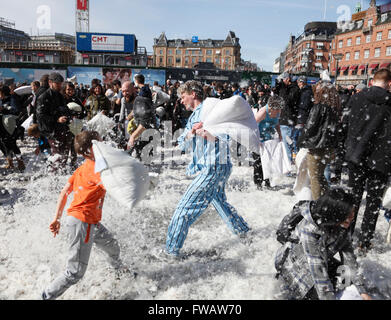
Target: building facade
{"x": 178, "y": 53}
{"x": 310, "y": 52}
{"x": 138, "y": 59}
{"x": 364, "y": 43}
{"x": 18, "y": 47}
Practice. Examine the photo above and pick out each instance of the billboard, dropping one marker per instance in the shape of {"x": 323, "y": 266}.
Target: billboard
{"x": 84, "y": 75}
{"x": 18, "y": 75}
{"x": 151, "y": 75}
{"x": 82, "y": 5}
{"x": 106, "y": 42}
{"x": 121, "y": 74}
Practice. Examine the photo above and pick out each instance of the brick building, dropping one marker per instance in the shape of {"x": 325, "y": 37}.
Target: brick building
{"x": 364, "y": 43}
{"x": 178, "y": 53}
{"x": 310, "y": 52}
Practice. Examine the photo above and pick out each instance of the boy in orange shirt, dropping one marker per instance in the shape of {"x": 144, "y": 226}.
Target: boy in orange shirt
{"x": 83, "y": 219}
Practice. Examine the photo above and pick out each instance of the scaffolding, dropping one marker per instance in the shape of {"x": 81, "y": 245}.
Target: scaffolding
{"x": 7, "y": 23}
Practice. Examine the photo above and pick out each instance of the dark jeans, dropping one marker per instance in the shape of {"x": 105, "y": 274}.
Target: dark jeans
{"x": 8, "y": 144}
{"x": 258, "y": 173}
{"x": 376, "y": 185}
{"x": 62, "y": 145}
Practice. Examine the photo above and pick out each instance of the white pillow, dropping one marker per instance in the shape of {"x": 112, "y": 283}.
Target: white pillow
{"x": 101, "y": 124}
{"x": 21, "y": 91}
{"x": 234, "y": 117}
{"x": 124, "y": 178}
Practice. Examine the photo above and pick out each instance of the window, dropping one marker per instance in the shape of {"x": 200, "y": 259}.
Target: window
{"x": 93, "y": 60}
{"x": 217, "y": 61}
{"x": 227, "y": 52}
{"x": 170, "y": 51}
{"x": 340, "y": 43}
{"x": 368, "y": 38}
{"x": 347, "y": 56}
{"x": 208, "y": 52}
{"x": 161, "y": 51}
{"x": 357, "y": 55}
{"x": 170, "y": 61}
{"x": 377, "y": 52}
{"x": 333, "y": 45}
{"x": 114, "y": 60}
{"x": 383, "y": 17}
{"x": 307, "y": 45}
{"x": 178, "y": 60}
{"x": 388, "y": 51}
{"x": 49, "y": 58}
{"x": 6, "y": 57}
{"x": 358, "y": 40}
{"x": 389, "y": 34}
{"x": 187, "y": 52}
{"x": 26, "y": 58}
{"x": 186, "y": 60}
{"x": 366, "y": 54}
{"x": 370, "y": 22}
{"x": 178, "y": 52}
{"x": 208, "y": 59}
{"x": 319, "y": 45}
{"x": 379, "y": 36}
{"x": 349, "y": 43}
{"x": 161, "y": 60}
{"x": 193, "y": 60}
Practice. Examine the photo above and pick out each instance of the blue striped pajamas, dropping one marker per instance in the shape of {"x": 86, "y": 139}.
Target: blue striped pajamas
{"x": 211, "y": 161}
{"x": 208, "y": 187}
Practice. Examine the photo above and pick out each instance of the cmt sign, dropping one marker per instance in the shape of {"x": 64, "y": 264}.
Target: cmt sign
{"x": 82, "y": 5}
{"x": 106, "y": 42}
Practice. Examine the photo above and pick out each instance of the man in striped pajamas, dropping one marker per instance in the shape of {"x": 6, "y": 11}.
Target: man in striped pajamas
{"x": 211, "y": 160}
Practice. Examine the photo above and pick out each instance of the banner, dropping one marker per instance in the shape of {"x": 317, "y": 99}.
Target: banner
{"x": 18, "y": 75}
{"x": 151, "y": 75}
{"x": 82, "y": 5}
{"x": 84, "y": 75}
{"x": 111, "y": 74}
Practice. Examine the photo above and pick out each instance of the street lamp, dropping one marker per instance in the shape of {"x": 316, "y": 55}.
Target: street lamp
{"x": 338, "y": 57}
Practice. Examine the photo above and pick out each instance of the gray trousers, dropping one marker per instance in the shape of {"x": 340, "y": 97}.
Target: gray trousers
{"x": 81, "y": 237}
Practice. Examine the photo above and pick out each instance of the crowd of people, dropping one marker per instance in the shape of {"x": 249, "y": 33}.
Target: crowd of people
{"x": 343, "y": 129}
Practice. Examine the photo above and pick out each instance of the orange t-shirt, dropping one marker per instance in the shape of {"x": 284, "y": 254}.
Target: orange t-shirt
{"x": 88, "y": 194}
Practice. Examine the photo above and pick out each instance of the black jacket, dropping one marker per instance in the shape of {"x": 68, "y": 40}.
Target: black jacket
{"x": 305, "y": 104}
{"x": 369, "y": 132}
{"x": 321, "y": 128}
{"x": 291, "y": 96}
{"x": 144, "y": 112}
{"x": 50, "y": 107}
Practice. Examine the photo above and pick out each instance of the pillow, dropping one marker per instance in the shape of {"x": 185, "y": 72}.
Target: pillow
{"x": 234, "y": 117}
{"x": 124, "y": 178}
{"x": 101, "y": 124}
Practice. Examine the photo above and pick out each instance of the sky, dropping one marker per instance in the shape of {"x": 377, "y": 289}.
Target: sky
{"x": 264, "y": 27}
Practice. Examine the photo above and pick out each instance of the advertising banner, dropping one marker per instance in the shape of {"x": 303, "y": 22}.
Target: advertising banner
{"x": 84, "y": 75}
{"x": 18, "y": 75}
{"x": 151, "y": 75}
{"x": 111, "y": 74}
{"x": 104, "y": 42}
